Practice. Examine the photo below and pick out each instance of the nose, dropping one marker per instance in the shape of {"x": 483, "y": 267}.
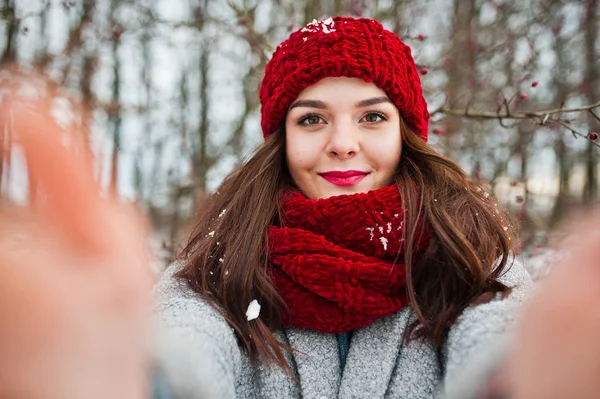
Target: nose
{"x": 343, "y": 141}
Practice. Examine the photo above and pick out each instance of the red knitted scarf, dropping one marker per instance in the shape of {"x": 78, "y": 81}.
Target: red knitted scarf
{"x": 335, "y": 262}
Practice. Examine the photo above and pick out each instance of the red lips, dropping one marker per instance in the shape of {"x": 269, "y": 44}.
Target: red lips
{"x": 344, "y": 177}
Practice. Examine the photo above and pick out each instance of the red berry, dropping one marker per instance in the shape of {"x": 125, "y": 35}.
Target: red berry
{"x": 439, "y": 132}
{"x": 423, "y": 71}
{"x": 421, "y": 37}
{"x": 117, "y": 32}
{"x": 523, "y": 96}
{"x": 534, "y": 83}
{"x": 593, "y": 136}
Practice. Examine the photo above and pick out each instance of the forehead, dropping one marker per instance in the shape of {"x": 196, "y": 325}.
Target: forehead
{"x": 341, "y": 89}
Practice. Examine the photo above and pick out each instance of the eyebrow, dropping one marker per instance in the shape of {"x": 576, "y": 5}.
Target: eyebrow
{"x": 321, "y": 105}
{"x": 373, "y": 101}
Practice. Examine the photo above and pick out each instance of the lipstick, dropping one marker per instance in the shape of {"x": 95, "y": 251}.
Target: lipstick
{"x": 343, "y": 178}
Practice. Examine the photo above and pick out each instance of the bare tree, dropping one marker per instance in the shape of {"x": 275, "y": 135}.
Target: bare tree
{"x": 479, "y": 69}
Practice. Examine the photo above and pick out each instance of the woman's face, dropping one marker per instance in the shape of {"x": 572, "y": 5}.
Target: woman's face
{"x": 342, "y": 137}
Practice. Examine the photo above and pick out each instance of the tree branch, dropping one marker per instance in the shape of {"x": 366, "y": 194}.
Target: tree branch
{"x": 595, "y": 115}
{"x": 576, "y": 133}
{"x": 543, "y": 114}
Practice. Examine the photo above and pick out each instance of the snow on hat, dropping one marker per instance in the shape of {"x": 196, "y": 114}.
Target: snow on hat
{"x": 342, "y": 46}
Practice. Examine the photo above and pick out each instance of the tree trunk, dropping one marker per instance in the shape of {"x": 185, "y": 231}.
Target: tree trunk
{"x": 8, "y": 14}
{"x": 563, "y": 65}
{"x": 590, "y": 91}
{"x": 201, "y": 163}
{"x": 115, "y": 106}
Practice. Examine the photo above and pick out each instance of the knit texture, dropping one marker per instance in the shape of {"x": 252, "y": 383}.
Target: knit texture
{"x": 338, "y": 262}
{"x": 200, "y": 358}
{"x": 342, "y": 46}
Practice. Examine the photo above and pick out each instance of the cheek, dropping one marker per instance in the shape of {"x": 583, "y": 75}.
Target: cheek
{"x": 394, "y": 156}
{"x": 300, "y": 152}
{"x": 298, "y": 161}
{"x": 386, "y": 154}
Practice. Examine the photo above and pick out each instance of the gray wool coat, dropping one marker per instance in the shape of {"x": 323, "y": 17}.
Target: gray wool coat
{"x": 199, "y": 358}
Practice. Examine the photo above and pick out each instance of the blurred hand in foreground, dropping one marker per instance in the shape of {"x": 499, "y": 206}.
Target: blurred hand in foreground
{"x": 557, "y": 351}
{"x": 75, "y": 283}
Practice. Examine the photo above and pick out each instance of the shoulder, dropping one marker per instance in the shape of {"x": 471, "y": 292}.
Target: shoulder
{"x": 194, "y": 346}
{"x": 486, "y": 325}
{"x": 177, "y": 305}
{"x": 517, "y": 277}
{"x": 175, "y": 299}
{"x": 495, "y": 315}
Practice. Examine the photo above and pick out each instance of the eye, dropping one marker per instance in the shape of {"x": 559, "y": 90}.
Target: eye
{"x": 311, "y": 119}
{"x": 374, "y": 117}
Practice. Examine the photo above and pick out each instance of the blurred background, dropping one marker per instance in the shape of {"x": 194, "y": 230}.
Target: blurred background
{"x": 170, "y": 88}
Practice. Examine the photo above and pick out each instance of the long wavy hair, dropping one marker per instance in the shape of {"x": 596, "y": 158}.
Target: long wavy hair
{"x": 225, "y": 260}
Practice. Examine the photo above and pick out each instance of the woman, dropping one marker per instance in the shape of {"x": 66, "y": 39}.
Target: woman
{"x": 380, "y": 269}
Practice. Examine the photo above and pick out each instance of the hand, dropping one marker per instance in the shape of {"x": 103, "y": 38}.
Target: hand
{"x": 557, "y": 351}
{"x": 75, "y": 282}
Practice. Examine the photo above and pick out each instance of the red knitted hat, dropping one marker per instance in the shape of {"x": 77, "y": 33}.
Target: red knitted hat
{"x": 342, "y": 46}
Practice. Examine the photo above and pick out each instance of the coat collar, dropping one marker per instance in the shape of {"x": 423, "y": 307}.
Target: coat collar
{"x": 369, "y": 367}
{"x": 317, "y": 362}
{"x": 372, "y": 357}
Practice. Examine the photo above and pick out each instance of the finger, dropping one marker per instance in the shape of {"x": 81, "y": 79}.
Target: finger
{"x": 71, "y": 197}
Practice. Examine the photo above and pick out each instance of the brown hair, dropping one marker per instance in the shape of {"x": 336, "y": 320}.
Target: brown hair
{"x": 226, "y": 263}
